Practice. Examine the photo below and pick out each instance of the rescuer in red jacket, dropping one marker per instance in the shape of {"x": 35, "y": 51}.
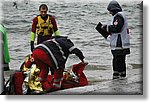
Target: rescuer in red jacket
{"x": 44, "y": 25}
{"x": 53, "y": 54}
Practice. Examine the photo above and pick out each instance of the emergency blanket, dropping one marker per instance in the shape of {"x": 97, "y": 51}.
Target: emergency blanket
{"x": 28, "y": 79}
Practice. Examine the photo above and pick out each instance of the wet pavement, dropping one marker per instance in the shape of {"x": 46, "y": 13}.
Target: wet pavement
{"x": 101, "y": 83}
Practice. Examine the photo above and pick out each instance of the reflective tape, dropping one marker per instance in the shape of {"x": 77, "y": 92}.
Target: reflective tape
{"x": 57, "y": 33}
{"x": 58, "y": 80}
{"x": 57, "y": 85}
{"x": 72, "y": 48}
{"x": 60, "y": 48}
{"x": 32, "y": 36}
{"x": 49, "y": 51}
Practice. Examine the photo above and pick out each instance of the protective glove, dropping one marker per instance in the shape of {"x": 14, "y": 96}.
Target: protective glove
{"x": 32, "y": 45}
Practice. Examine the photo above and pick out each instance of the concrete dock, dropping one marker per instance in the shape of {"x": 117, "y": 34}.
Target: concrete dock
{"x": 101, "y": 83}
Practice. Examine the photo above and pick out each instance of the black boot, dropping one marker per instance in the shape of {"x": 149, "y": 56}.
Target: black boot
{"x": 122, "y": 75}
{"x": 115, "y": 75}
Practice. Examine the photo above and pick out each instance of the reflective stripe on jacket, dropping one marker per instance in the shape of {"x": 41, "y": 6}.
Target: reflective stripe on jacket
{"x": 59, "y": 49}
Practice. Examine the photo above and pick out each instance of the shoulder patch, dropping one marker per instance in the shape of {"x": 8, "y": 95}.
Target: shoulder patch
{"x": 116, "y": 22}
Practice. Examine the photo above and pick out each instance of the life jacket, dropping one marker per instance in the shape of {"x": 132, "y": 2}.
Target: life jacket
{"x": 123, "y": 34}
{"x": 44, "y": 28}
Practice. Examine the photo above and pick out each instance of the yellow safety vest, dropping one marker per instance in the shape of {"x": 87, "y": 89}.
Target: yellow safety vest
{"x": 44, "y": 27}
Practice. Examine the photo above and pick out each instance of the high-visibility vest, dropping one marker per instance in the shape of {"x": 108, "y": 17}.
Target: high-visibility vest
{"x": 5, "y": 44}
{"x": 123, "y": 34}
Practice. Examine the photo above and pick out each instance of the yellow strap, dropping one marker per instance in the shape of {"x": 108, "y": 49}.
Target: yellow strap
{"x": 57, "y": 33}
{"x": 32, "y": 35}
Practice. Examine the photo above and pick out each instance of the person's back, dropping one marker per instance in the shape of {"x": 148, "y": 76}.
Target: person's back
{"x": 61, "y": 47}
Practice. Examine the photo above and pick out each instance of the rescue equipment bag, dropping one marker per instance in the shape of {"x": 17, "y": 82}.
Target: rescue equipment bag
{"x": 14, "y": 84}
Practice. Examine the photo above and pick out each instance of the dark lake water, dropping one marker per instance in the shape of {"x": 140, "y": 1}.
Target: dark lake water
{"x": 77, "y": 20}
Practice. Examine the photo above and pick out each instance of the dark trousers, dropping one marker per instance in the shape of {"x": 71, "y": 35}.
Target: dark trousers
{"x": 41, "y": 39}
{"x": 119, "y": 64}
